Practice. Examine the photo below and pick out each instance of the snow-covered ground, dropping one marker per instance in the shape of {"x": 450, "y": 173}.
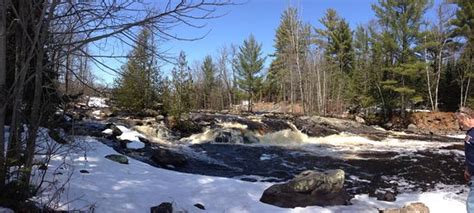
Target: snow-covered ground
{"x": 112, "y": 187}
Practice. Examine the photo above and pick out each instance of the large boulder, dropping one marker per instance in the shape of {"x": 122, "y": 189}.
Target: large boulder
{"x": 309, "y": 188}
{"x": 410, "y": 208}
{"x": 165, "y": 157}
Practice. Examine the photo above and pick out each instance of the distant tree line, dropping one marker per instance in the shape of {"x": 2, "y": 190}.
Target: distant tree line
{"x": 400, "y": 60}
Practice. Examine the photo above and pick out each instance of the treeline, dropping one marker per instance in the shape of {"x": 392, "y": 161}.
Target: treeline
{"x": 401, "y": 60}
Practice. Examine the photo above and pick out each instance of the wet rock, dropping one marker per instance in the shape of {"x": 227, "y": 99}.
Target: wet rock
{"x": 115, "y": 130}
{"x": 308, "y": 189}
{"x": 410, "y": 208}
{"x": 144, "y": 140}
{"x": 117, "y": 158}
{"x": 83, "y": 171}
{"x": 276, "y": 124}
{"x": 200, "y": 206}
{"x": 165, "y": 157}
{"x": 385, "y": 196}
{"x": 184, "y": 128}
{"x": 314, "y": 130}
{"x": 164, "y": 207}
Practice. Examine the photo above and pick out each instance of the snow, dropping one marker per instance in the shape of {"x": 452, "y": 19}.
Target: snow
{"x": 108, "y": 132}
{"x": 5, "y": 210}
{"x": 114, "y": 187}
{"x": 132, "y": 136}
{"x": 97, "y": 102}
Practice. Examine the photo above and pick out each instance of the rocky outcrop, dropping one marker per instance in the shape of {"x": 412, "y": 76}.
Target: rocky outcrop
{"x": 410, "y": 208}
{"x": 308, "y": 189}
{"x": 165, "y": 157}
{"x": 117, "y": 158}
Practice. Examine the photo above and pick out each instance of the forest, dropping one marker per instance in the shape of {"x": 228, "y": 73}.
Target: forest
{"x": 400, "y": 60}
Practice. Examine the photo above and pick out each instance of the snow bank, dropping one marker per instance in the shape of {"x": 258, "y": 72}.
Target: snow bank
{"x": 97, "y": 102}
{"x": 114, "y": 187}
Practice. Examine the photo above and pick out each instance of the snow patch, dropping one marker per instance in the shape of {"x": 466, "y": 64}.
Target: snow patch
{"x": 97, "y": 102}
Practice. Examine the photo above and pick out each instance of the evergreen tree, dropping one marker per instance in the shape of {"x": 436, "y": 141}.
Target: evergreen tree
{"x": 208, "y": 68}
{"x": 401, "y": 21}
{"x": 336, "y": 38}
{"x": 182, "y": 85}
{"x": 137, "y": 88}
{"x": 464, "y": 28}
{"x": 249, "y": 67}
{"x": 361, "y": 77}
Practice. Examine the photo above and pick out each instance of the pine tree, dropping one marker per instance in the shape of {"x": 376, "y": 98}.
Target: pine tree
{"x": 336, "y": 38}
{"x": 401, "y": 21}
{"x": 209, "y": 70}
{"x": 292, "y": 46}
{"x": 182, "y": 85}
{"x": 464, "y": 27}
{"x": 249, "y": 67}
{"x": 137, "y": 88}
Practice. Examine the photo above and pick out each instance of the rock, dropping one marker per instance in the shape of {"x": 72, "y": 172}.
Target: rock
{"x": 83, "y": 171}
{"x": 308, "y": 189}
{"x": 199, "y": 206}
{"x": 165, "y": 157}
{"x": 276, "y": 124}
{"x": 164, "y": 207}
{"x": 386, "y": 196}
{"x": 412, "y": 127}
{"x": 410, "y": 208}
{"x": 313, "y": 181}
{"x": 144, "y": 140}
{"x": 388, "y": 125}
{"x": 359, "y": 120}
{"x": 115, "y": 130}
{"x": 117, "y": 158}
{"x": 159, "y": 118}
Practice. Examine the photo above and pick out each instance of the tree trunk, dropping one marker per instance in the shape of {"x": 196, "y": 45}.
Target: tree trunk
{"x": 3, "y": 98}
{"x": 35, "y": 115}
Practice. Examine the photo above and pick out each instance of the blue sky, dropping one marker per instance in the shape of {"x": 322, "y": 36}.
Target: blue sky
{"x": 259, "y": 17}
